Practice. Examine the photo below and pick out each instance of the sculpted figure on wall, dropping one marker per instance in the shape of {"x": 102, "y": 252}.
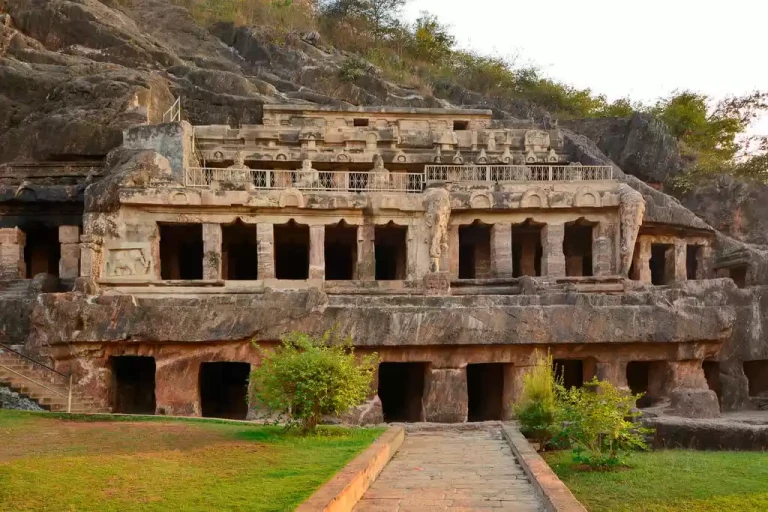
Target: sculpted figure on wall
{"x": 438, "y": 213}
{"x": 307, "y": 177}
{"x": 239, "y": 171}
{"x": 631, "y": 210}
{"x": 127, "y": 263}
{"x": 380, "y": 178}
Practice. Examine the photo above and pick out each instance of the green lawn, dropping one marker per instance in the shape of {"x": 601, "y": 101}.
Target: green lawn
{"x": 668, "y": 480}
{"x": 50, "y": 463}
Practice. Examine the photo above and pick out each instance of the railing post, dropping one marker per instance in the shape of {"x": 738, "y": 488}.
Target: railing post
{"x": 69, "y": 397}
{"x": 550, "y": 173}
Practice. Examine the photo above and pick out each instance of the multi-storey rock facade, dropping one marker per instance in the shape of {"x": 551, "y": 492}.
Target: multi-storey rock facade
{"x": 455, "y": 247}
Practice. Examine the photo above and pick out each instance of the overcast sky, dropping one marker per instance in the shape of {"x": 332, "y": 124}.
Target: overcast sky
{"x": 643, "y": 49}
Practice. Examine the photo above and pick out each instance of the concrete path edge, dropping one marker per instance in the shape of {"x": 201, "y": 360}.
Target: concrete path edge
{"x": 552, "y": 491}
{"x": 345, "y": 489}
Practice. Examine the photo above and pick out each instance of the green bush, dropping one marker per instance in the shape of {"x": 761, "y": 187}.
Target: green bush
{"x": 597, "y": 422}
{"x": 536, "y": 409}
{"x": 308, "y": 377}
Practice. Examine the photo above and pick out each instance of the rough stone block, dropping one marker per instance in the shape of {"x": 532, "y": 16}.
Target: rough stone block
{"x": 695, "y": 403}
{"x": 69, "y": 234}
{"x": 437, "y": 283}
{"x": 13, "y": 236}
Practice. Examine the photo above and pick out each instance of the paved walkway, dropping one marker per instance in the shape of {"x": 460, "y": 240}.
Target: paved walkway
{"x": 452, "y": 470}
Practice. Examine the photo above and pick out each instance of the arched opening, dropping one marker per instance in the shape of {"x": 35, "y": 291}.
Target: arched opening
{"x": 240, "y": 252}
{"x": 475, "y": 251}
{"x": 577, "y": 248}
{"x": 291, "y": 251}
{"x": 181, "y": 251}
{"x": 526, "y": 248}
{"x": 391, "y": 253}
{"x": 42, "y": 250}
{"x": 340, "y": 252}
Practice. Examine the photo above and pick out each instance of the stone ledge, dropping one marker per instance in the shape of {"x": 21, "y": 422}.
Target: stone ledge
{"x": 552, "y": 491}
{"x": 345, "y": 489}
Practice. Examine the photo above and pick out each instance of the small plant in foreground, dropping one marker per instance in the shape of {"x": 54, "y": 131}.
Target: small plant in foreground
{"x": 596, "y": 421}
{"x": 308, "y": 377}
{"x": 537, "y": 406}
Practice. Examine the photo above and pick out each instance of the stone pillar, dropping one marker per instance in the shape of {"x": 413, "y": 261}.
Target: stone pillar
{"x": 412, "y": 253}
{"x": 212, "y": 239}
{"x": 528, "y": 256}
{"x": 602, "y": 253}
{"x": 644, "y": 260}
{"x": 12, "y": 241}
{"x": 451, "y": 260}
{"x": 704, "y": 262}
{"x": 553, "y": 259}
{"x": 501, "y": 250}
{"x": 92, "y": 257}
{"x": 69, "y": 245}
{"x": 445, "y": 395}
{"x": 614, "y": 372}
{"x": 679, "y": 257}
{"x": 687, "y": 388}
{"x": 317, "y": 252}
{"x": 366, "y": 252}
{"x": 265, "y": 241}
{"x": 176, "y": 385}
{"x": 513, "y": 388}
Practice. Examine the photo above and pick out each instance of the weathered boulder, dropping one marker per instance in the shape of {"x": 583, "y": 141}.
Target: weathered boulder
{"x": 695, "y": 403}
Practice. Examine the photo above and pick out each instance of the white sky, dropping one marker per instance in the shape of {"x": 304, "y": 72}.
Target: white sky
{"x": 643, "y": 49}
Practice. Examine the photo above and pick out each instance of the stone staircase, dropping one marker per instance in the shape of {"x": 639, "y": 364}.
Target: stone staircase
{"x": 41, "y": 384}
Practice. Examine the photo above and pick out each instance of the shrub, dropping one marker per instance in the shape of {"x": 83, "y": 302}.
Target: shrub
{"x": 537, "y": 406}
{"x": 596, "y": 421}
{"x": 308, "y": 377}
{"x": 353, "y": 68}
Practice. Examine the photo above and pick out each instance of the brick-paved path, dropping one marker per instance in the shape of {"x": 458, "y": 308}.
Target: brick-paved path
{"x": 452, "y": 470}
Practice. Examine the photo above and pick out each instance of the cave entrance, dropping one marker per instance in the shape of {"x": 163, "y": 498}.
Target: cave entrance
{"x": 240, "y": 252}
{"x": 662, "y": 264}
{"x": 133, "y": 384}
{"x": 485, "y": 388}
{"x": 570, "y": 372}
{"x": 475, "y": 251}
{"x": 712, "y": 374}
{"x": 181, "y": 251}
{"x": 401, "y": 388}
{"x": 577, "y": 248}
{"x": 757, "y": 375}
{"x": 224, "y": 390}
{"x": 391, "y": 252}
{"x": 292, "y": 251}
{"x": 340, "y": 252}
{"x": 526, "y": 249}
{"x": 649, "y": 378}
{"x": 42, "y": 251}
{"x": 739, "y": 275}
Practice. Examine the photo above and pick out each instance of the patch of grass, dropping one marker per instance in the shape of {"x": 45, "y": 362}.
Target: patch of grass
{"x": 50, "y": 462}
{"x": 670, "y": 480}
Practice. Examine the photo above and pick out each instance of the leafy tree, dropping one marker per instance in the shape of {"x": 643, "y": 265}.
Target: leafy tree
{"x": 308, "y": 377}
{"x": 432, "y": 41}
{"x": 596, "y": 421}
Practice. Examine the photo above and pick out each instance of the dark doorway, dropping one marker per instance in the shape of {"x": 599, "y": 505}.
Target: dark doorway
{"x": 526, "y": 249}
{"x": 757, "y": 375}
{"x": 42, "y": 251}
{"x": 570, "y": 372}
{"x": 133, "y": 384}
{"x": 577, "y": 248}
{"x": 712, "y": 374}
{"x": 662, "y": 264}
{"x": 181, "y": 251}
{"x": 391, "y": 252}
{"x": 401, "y": 387}
{"x": 292, "y": 251}
{"x": 692, "y": 257}
{"x": 475, "y": 251}
{"x": 638, "y": 377}
{"x": 739, "y": 275}
{"x": 224, "y": 390}
{"x": 485, "y": 388}
{"x": 340, "y": 252}
{"x": 240, "y": 252}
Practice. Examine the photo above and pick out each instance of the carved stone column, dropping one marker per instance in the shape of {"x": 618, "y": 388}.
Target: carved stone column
{"x": 680, "y": 253}
{"x": 513, "y": 388}
{"x": 451, "y": 260}
{"x": 644, "y": 261}
{"x": 12, "y": 241}
{"x": 366, "y": 252}
{"x": 553, "y": 259}
{"x": 412, "y": 253}
{"x": 614, "y": 372}
{"x": 602, "y": 249}
{"x": 317, "y": 252}
{"x": 265, "y": 241}
{"x": 704, "y": 262}
{"x": 212, "y": 239}
{"x": 92, "y": 257}
{"x": 445, "y": 395}
{"x": 69, "y": 243}
{"x": 501, "y": 250}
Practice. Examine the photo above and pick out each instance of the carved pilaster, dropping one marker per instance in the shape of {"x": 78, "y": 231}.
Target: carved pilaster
{"x": 212, "y": 259}
{"x": 69, "y": 261}
{"x": 602, "y": 249}
{"x": 644, "y": 261}
{"x": 501, "y": 250}
{"x": 553, "y": 259}
{"x": 92, "y": 256}
{"x": 366, "y": 252}
{"x": 679, "y": 262}
{"x": 437, "y": 205}
{"x": 631, "y": 211}
{"x": 12, "y": 241}
{"x": 317, "y": 252}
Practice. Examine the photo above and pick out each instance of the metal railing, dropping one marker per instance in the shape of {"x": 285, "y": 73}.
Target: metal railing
{"x": 68, "y": 376}
{"x": 344, "y": 181}
{"x": 518, "y": 173}
{"x": 173, "y": 114}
